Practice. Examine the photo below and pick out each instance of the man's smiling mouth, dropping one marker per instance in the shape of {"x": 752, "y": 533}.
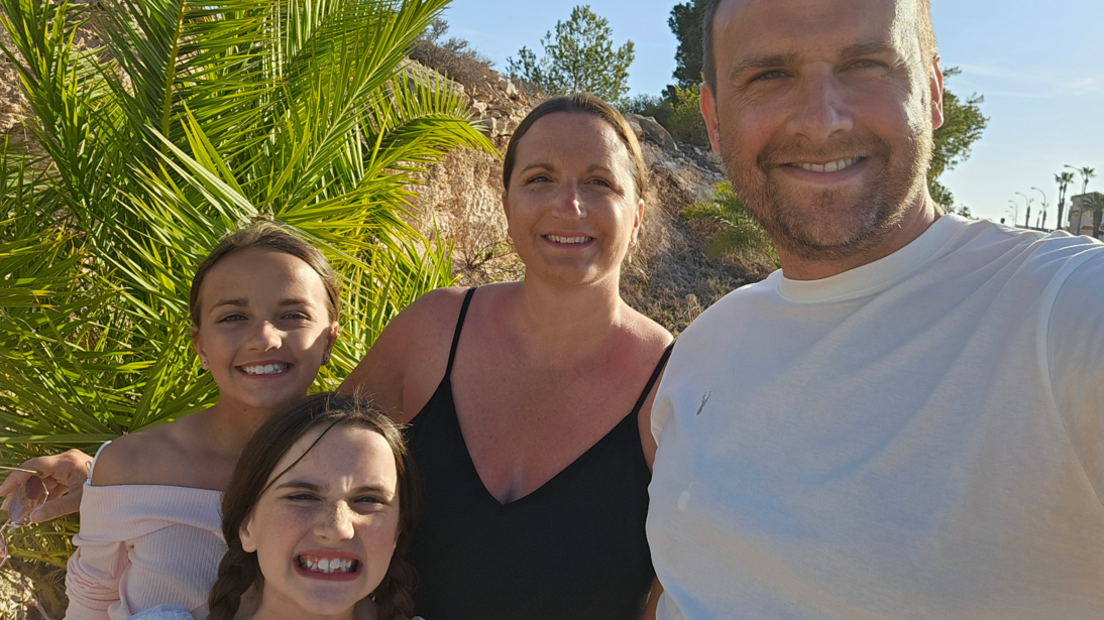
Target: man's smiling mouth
{"x": 832, "y": 166}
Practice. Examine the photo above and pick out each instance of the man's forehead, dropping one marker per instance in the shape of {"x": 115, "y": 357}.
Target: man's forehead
{"x": 777, "y": 23}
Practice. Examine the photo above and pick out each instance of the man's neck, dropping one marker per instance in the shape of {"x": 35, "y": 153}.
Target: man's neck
{"x": 913, "y": 224}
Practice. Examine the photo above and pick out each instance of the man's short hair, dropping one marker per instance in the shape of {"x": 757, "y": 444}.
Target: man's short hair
{"x": 709, "y": 67}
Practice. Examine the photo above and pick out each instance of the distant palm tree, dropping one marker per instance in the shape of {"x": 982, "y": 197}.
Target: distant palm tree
{"x": 1063, "y": 179}
{"x": 1087, "y": 173}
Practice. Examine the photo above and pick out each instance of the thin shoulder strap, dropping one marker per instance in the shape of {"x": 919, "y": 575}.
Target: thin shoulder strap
{"x": 459, "y": 327}
{"x": 655, "y": 377}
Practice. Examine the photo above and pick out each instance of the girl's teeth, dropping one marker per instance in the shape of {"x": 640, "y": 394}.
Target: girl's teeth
{"x": 568, "y": 239}
{"x": 324, "y": 565}
{"x": 268, "y": 369}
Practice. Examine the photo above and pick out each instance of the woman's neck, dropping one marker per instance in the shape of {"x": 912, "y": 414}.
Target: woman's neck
{"x": 294, "y": 612}
{"x": 230, "y": 424}
{"x": 564, "y": 320}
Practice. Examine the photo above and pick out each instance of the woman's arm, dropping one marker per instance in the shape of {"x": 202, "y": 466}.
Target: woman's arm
{"x": 405, "y": 364}
{"x": 92, "y": 578}
{"x": 63, "y": 475}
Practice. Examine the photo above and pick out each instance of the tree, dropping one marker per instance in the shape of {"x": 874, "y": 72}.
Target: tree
{"x": 963, "y": 124}
{"x": 1094, "y": 203}
{"x": 193, "y": 117}
{"x": 686, "y": 24}
{"x": 578, "y": 58}
{"x": 1063, "y": 179}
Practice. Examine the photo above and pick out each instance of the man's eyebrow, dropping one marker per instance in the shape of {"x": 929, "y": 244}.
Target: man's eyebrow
{"x": 867, "y": 49}
{"x": 764, "y": 61}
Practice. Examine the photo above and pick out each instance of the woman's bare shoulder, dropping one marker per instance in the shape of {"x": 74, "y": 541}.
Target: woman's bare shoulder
{"x": 138, "y": 458}
{"x": 408, "y": 350}
{"x": 648, "y": 334}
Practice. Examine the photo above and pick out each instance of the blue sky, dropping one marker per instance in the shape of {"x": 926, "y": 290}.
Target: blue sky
{"x": 1040, "y": 67}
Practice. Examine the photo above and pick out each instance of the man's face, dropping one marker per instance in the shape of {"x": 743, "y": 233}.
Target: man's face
{"x": 823, "y": 114}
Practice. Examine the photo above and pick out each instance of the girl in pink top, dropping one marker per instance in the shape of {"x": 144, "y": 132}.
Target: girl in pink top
{"x": 264, "y": 308}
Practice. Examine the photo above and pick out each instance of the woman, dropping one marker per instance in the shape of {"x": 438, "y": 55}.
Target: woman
{"x": 320, "y": 509}
{"x": 529, "y": 401}
{"x": 264, "y": 307}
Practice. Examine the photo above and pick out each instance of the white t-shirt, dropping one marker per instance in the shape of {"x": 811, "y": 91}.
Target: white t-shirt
{"x": 920, "y": 437}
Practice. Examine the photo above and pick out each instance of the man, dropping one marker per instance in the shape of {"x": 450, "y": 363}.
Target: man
{"x": 906, "y": 421}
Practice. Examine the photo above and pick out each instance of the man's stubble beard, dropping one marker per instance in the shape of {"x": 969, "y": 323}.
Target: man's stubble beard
{"x": 861, "y": 224}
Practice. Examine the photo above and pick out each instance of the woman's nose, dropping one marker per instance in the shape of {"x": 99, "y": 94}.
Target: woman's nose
{"x": 267, "y": 336}
{"x": 569, "y": 201}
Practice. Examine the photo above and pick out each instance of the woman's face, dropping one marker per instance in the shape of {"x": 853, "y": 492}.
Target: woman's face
{"x": 264, "y": 327}
{"x": 324, "y": 531}
{"x": 571, "y": 204}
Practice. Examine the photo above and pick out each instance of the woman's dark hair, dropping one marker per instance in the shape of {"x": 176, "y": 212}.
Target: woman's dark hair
{"x": 581, "y": 103}
{"x": 267, "y": 235}
{"x": 239, "y": 570}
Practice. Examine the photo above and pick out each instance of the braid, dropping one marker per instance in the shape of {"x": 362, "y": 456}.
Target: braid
{"x": 395, "y": 594}
{"x": 237, "y": 571}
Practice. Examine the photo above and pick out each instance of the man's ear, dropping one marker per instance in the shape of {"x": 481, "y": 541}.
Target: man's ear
{"x": 709, "y": 113}
{"x": 936, "y": 85}
{"x": 245, "y": 533}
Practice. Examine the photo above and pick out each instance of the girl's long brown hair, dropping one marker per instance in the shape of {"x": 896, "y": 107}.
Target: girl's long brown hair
{"x": 239, "y": 570}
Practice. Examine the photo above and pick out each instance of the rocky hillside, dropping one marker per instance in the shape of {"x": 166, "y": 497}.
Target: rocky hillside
{"x": 669, "y": 279}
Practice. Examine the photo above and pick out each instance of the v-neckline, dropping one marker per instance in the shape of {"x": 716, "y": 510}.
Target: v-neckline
{"x": 470, "y": 463}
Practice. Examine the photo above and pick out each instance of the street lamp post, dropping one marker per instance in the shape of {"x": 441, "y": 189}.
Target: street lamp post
{"x": 1015, "y": 212}
{"x": 1044, "y": 205}
{"x": 1027, "y": 219}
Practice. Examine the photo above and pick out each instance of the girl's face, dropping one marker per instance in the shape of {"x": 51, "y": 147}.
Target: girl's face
{"x": 324, "y": 531}
{"x": 264, "y": 327}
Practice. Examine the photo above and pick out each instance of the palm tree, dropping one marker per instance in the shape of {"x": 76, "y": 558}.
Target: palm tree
{"x": 192, "y": 117}
{"x": 740, "y": 233}
{"x": 1094, "y": 202}
{"x": 1063, "y": 179}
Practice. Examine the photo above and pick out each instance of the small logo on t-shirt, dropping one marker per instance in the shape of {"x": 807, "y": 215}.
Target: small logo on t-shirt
{"x": 705, "y": 399}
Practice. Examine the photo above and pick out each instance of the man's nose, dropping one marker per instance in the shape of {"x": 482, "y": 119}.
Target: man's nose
{"x": 820, "y": 106}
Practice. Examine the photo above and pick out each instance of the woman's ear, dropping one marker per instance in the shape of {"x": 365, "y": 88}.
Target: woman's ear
{"x": 245, "y": 533}
{"x": 639, "y": 220}
{"x": 332, "y": 334}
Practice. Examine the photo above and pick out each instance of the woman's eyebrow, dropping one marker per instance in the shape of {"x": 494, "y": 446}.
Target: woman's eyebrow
{"x": 231, "y": 302}
{"x": 301, "y": 484}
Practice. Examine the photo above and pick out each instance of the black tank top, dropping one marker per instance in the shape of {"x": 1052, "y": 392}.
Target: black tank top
{"x": 574, "y": 548}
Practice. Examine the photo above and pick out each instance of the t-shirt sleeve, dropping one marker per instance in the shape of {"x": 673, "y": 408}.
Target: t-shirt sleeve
{"x": 1075, "y": 355}
{"x": 92, "y": 579}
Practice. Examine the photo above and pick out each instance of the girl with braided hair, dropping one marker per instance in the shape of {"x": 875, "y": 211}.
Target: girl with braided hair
{"x": 318, "y": 516}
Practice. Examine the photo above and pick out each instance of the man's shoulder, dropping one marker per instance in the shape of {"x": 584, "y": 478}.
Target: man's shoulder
{"x": 1033, "y": 256}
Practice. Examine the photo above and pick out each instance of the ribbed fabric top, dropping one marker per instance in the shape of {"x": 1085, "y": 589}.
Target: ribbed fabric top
{"x": 141, "y": 546}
